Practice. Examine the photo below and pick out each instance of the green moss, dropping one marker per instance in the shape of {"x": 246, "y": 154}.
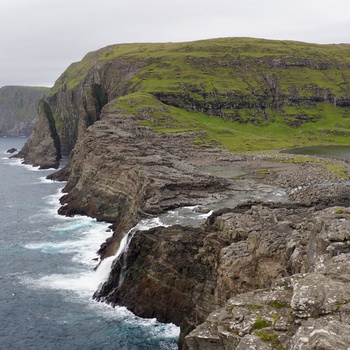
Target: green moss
{"x": 260, "y": 323}
{"x": 339, "y": 170}
{"x": 254, "y": 307}
{"x": 275, "y": 317}
{"x": 229, "y": 308}
{"x": 276, "y": 304}
{"x": 58, "y": 122}
{"x": 339, "y": 211}
{"x": 269, "y": 337}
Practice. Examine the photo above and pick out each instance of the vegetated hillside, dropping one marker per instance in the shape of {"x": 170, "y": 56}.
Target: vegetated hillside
{"x": 19, "y": 108}
{"x": 245, "y": 94}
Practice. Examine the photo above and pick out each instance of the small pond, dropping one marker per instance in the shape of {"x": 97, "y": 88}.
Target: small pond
{"x": 338, "y": 152}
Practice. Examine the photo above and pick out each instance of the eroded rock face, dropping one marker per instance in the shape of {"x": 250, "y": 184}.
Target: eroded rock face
{"x": 121, "y": 171}
{"x": 169, "y": 274}
{"x": 78, "y": 108}
{"x": 261, "y": 271}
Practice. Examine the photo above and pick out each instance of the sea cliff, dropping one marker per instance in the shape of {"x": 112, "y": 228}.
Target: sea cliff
{"x": 18, "y": 109}
{"x": 141, "y": 121}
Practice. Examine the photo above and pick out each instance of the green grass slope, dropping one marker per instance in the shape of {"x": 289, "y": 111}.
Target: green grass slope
{"x": 242, "y": 93}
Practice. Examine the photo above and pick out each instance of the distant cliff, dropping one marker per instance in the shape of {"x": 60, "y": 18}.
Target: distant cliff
{"x": 19, "y": 109}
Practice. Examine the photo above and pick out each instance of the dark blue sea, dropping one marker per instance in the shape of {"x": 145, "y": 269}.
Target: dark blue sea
{"x": 47, "y": 277}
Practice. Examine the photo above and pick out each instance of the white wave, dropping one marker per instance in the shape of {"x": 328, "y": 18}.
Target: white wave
{"x": 205, "y": 215}
{"x": 44, "y": 180}
{"x": 13, "y": 161}
{"x": 161, "y": 330}
{"x": 19, "y": 162}
{"x": 87, "y": 235}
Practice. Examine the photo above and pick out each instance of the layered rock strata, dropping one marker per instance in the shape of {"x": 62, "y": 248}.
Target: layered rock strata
{"x": 122, "y": 171}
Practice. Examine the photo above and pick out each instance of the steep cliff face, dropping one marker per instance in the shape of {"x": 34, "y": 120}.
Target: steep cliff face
{"x": 77, "y": 107}
{"x": 19, "y": 109}
{"x": 181, "y": 274}
{"x": 176, "y": 285}
{"x": 43, "y": 147}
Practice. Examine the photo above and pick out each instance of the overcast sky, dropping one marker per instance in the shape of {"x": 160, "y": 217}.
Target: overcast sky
{"x": 40, "y": 38}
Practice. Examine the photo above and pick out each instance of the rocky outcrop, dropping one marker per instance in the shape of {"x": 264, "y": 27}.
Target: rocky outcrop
{"x": 307, "y": 310}
{"x": 43, "y": 147}
{"x": 19, "y": 109}
{"x": 176, "y": 285}
{"x": 121, "y": 170}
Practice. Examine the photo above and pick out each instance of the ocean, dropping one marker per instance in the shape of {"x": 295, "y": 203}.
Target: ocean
{"x": 47, "y": 275}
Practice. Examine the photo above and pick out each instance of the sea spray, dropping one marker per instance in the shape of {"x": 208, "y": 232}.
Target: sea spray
{"x": 120, "y": 256}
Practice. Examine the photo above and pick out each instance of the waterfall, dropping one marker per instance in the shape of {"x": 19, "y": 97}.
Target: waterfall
{"x": 104, "y": 268}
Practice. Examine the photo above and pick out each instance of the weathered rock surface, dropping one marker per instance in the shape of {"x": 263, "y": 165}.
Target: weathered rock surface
{"x": 78, "y": 108}
{"x": 308, "y": 310}
{"x": 43, "y": 147}
{"x": 197, "y": 270}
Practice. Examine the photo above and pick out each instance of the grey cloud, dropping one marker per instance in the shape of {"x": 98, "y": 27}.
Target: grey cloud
{"x": 40, "y": 39}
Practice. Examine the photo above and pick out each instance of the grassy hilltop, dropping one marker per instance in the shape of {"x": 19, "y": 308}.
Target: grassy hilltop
{"x": 242, "y": 93}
